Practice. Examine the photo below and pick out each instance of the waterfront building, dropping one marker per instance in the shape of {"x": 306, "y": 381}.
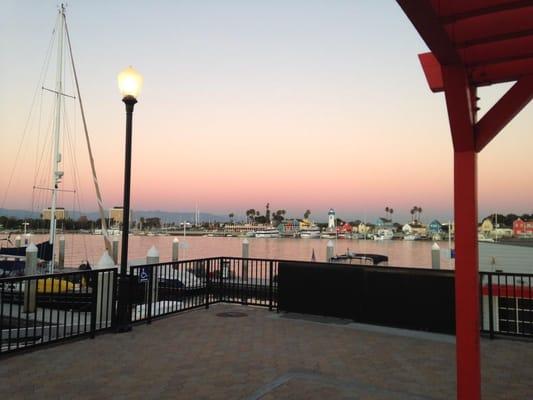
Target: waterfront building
{"x": 244, "y": 228}
{"x": 384, "y": 223}
{"x": 61, "y": 214}
{"x": 345, "y": 228}
{"x": 414, "y": 228}
{"x": 331, "y": 220}
{"x": 522, "y": 227}
{"x": 486, "y": 228}
{"x": 116, "y": 215}
{"x": 305, "y": 223}
{"x": 363, "y": 228}
{"x": 289, "y": 226}
{"x": 435, "y": 227}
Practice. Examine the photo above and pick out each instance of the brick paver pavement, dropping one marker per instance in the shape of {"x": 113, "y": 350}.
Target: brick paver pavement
{"x": 199, "y": 355}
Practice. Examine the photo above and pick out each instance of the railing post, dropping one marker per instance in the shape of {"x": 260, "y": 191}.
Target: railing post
{"x": 114, "y": 300}
{"x": 149, "y": 295}
{"x": 94, "y": 301}
{"x": 271, "y": 285}
{"x": 207, "y": 283}
{"x": 491, "y": 308}
{"x": 221, "y": 260}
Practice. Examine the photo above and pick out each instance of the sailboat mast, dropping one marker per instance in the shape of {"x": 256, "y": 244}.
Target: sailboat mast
{"x": 56, "y": 172}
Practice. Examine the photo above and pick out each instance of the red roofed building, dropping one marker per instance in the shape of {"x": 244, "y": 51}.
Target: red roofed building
{"x": 521, "y": 227}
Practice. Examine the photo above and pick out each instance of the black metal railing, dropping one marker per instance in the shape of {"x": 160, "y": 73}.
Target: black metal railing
{"x": 43, "y": 309}
{"x": 167, "y": 288}
{"x": 506, "y": 302}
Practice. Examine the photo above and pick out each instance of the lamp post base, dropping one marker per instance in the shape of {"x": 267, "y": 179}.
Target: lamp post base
{"x": 124, "y": 305}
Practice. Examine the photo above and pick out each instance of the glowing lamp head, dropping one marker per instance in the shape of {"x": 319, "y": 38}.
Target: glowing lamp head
{"x": 130, "y": 83}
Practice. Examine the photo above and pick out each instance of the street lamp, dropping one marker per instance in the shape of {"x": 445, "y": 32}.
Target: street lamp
{"x": 129, "y": 83}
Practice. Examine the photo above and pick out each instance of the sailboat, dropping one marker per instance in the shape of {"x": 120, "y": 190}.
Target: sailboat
{"x": 46, "y": 249}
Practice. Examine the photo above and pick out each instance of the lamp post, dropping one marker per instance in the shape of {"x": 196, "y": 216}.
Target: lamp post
{"x": 129, "y": 83}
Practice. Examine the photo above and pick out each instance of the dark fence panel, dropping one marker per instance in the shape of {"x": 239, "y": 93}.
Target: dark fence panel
{"x": 167, "y": 288}
{"x": 506, "y": 303}
{"x": 247, "y": 281}
{"x": 399, "y": 297}
{"x": 43, "y": 309}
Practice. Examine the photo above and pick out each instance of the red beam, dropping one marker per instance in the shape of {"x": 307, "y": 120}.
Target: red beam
{"x": 511, "y": 103}
{"x": 468, "y": 366}
{"x": 478, "y": 76}
{"x": 427, "y": 23}
{"x": 471, "y": 9}
{"x": 460, "y": 111}
{"x": 432, "y": 71}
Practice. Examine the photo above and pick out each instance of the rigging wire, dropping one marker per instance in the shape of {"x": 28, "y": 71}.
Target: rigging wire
{"x": 44, "y": 69}
{"x": 107, "y": 243}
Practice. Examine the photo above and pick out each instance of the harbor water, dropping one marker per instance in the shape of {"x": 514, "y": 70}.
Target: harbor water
{"x": 80, "y": 247}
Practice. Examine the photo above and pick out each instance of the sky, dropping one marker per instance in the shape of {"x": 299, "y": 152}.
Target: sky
{"x": 300, "y": 104}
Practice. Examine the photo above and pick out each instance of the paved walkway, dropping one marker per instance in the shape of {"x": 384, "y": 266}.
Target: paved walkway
{"x": 263, "y": 355}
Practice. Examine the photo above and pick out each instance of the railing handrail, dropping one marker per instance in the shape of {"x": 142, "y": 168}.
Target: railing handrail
{"x": 502, "y": 273}
{"x": 54, "y": 275}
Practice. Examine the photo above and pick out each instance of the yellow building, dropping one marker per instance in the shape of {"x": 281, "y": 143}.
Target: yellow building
{"x": 61, "y": 214}
{"x": 487, "y": 227}
{"x": 116, "y": 214}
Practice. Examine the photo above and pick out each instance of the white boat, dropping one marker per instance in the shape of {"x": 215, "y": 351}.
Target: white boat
{"x": 411, "y": 237}
{"x": 482, "y": 238}
{"x": 384, "y": 234}
{"x": 267, "y": 233}
{"x": 328, "y": 235}
{"x": 311, "y": 232}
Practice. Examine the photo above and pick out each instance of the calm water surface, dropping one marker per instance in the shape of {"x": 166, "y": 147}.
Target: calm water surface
{"x": 401, "y": 253}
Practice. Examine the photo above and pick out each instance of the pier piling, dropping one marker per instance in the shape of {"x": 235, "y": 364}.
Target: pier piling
{"x": 435, "y": 256}
{"x": 175, "y": 249}
{"x": 115, "y": 250}
{"x": 330, "y": 248}
{"x": 30, "y": 285}
{"x": 152, "y": 257}
{"x": 61, "y": 260}
{"x": 18, "y": 241}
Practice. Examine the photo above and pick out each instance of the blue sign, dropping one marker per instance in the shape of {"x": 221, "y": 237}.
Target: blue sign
{"x": 144, "y": 275}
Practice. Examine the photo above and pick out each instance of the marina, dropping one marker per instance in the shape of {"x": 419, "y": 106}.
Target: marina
{"x": 80, "y": 247}
{"x": 304, "y": 132}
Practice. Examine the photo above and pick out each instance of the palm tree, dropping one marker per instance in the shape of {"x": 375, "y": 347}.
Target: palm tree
{"x": 387, "y": 209}
{"x": 231, "y": 215}
{"x": 250, "y": 214}
{"x": 391, "y": 211}
{"x": 307, "y": 214}
{"x": 419, "y": 212}
{"x": 413, "y": 211}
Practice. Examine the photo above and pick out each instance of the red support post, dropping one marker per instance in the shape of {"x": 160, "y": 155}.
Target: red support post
{"x": 466, "y": 276}
{"x": 461, "y": 104}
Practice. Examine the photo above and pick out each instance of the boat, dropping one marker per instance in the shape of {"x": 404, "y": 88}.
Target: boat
{"x": 267, "y": 233}
{"x": 360, "y": 259}
{"x": 481, "y": 238}
{"x": 411, "y": 237}
{"x": 384, "y": 234}
{"x": 310, "y": 233}
{"x": 328, "y": 235}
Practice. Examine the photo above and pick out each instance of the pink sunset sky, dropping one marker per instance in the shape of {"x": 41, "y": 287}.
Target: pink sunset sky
{"x": 302, "y": 104}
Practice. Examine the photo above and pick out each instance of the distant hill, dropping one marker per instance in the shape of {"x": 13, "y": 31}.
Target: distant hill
{"x": 165, "y": 216}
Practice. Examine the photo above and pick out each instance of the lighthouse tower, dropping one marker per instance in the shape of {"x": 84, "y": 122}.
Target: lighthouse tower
{"x": 331, "y": 219}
